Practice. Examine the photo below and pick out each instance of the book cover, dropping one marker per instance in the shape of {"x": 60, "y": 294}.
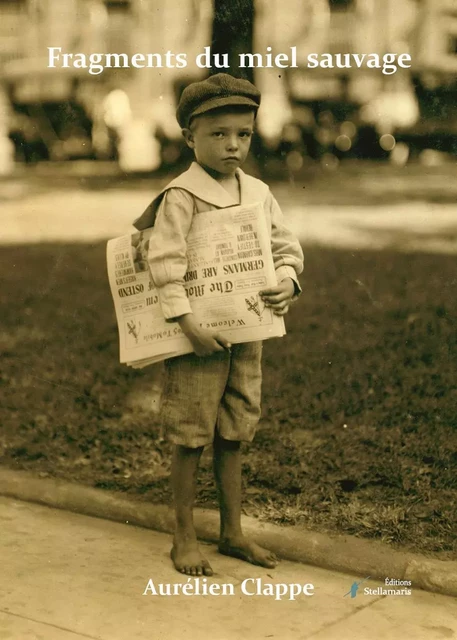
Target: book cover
{"x": 350, "y": 479}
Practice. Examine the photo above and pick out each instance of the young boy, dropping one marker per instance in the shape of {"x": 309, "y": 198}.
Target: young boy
{"x": 212, "y": 396}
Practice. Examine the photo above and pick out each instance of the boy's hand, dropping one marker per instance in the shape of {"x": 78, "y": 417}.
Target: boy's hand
{"x": 279, "y": 297}
{"x": 206, "y": 342}
{"x": 203, "y": 341}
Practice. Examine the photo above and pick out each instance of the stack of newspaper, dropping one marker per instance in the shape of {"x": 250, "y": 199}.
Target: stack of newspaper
{"x": 229, "y": 263}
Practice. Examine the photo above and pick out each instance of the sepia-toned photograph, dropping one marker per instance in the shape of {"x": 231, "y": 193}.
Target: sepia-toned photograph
{"x": 228, "y": 326}
{"x": 139, "y": 248}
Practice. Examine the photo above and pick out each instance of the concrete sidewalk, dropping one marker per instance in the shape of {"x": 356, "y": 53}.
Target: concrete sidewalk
{"x": 67, "y": 576}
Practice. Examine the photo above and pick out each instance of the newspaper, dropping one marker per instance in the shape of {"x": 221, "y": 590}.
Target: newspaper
{"x": 229, "y": 262}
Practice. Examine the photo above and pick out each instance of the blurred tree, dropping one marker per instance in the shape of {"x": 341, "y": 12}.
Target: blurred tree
{"x": 233, "y": 34}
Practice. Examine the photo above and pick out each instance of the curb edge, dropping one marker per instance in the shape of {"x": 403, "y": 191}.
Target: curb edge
{"x": 346, "y": 554}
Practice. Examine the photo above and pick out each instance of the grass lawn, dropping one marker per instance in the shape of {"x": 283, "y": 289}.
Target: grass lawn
{"x": 359, "y": 429}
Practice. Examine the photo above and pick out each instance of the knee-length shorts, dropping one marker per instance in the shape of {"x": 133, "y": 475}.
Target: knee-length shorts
{"x": 219, "y": 392}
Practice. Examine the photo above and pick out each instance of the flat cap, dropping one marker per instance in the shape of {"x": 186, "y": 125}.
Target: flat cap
{"x": 220, "y": 90}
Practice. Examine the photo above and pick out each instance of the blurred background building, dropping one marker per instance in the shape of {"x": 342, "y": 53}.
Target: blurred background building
{"x": 127, "y": 115}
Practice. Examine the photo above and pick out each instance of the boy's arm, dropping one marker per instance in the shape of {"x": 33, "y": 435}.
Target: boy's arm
{"x": 167, "y": 254}
{"x": 167, "y": 257}
{"x": 286, "y": 250}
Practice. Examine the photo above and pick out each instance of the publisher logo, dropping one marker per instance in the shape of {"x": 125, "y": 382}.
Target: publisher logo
{"x": 355, "y": 588}
{"x": 391, "y": 587}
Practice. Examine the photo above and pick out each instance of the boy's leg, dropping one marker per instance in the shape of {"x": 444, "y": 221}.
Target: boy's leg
{"x": 227, "y": 471}
{"x": 185, "y": 552}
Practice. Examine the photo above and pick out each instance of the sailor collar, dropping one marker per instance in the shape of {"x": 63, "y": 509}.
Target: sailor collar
{"x": 201, "y": 185}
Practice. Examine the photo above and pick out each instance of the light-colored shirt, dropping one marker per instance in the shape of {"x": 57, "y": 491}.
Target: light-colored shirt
{"x": 171, "y": 213}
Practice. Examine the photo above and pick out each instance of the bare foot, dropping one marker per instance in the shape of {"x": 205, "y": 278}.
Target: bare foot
{"x": 249, "y": 551}
{"x": 188, "y": 559}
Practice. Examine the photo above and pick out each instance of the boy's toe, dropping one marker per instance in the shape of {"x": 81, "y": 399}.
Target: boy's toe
{"x": 189, "y": 561}
{"x": 272, "y": 559}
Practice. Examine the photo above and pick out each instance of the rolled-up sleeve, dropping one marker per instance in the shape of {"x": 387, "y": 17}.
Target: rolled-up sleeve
{"x": 286, "y": 250}
{"x": 167, "y": 255}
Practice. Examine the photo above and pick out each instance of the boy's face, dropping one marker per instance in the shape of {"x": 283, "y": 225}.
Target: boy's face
{"x": 221, "y": 140}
